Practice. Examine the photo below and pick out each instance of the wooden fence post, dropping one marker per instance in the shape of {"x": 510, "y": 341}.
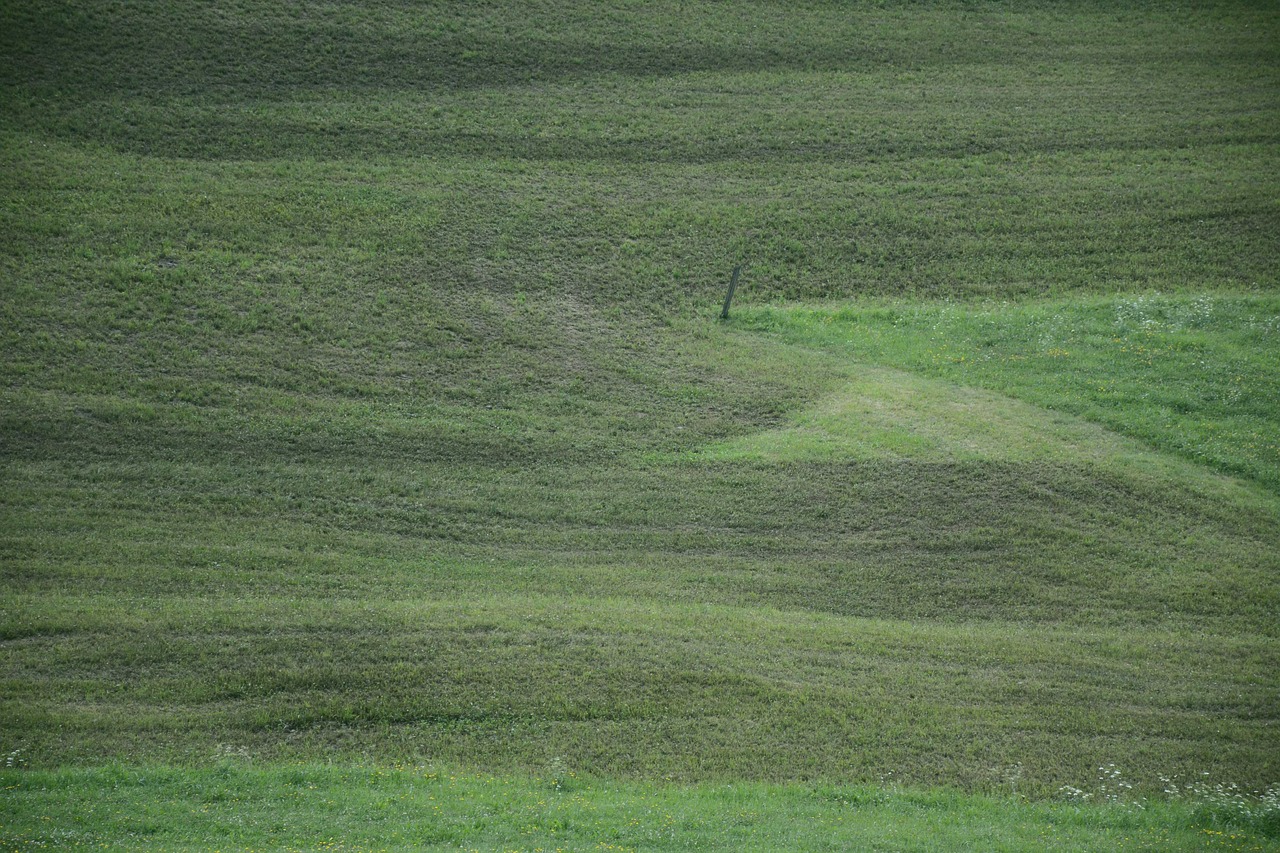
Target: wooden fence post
{"x": 728, "y": 297}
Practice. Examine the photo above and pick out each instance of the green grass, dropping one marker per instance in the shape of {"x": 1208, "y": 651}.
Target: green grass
{"x": 1195, "y": 375}
{"x": 362, "y": 400}
{"x": 237, "y": 806}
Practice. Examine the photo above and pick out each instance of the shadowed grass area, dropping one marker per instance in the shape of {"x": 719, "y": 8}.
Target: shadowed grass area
{"x": 642, "y": 149}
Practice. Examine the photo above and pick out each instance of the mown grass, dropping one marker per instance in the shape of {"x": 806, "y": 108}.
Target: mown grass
{"x": 1191, "y": 374}
{"x": 640, "y": 151}
{"x": 236, "y": 805}
{"x": 362, "y": 397}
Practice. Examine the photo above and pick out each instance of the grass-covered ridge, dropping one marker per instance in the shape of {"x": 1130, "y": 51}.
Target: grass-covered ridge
{"x": 362, "y": 398}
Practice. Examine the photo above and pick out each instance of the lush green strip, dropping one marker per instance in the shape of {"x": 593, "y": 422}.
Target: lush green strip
{"x": 238, "y": 806}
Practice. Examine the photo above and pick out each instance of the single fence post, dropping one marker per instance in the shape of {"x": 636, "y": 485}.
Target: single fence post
{"x": 728, "y": 297}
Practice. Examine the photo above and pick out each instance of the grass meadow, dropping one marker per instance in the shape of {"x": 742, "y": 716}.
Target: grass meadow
{"x": 376, "y": 474}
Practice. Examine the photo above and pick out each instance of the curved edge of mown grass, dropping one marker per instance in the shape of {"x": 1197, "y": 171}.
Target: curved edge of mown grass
{"x": 1187, "y": 373}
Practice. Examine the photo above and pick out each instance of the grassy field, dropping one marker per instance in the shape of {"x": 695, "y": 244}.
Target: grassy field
{"x": 363, "y": 401}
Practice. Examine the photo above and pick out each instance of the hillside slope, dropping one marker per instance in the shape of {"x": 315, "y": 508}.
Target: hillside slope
{"x": 362, "y": 396}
